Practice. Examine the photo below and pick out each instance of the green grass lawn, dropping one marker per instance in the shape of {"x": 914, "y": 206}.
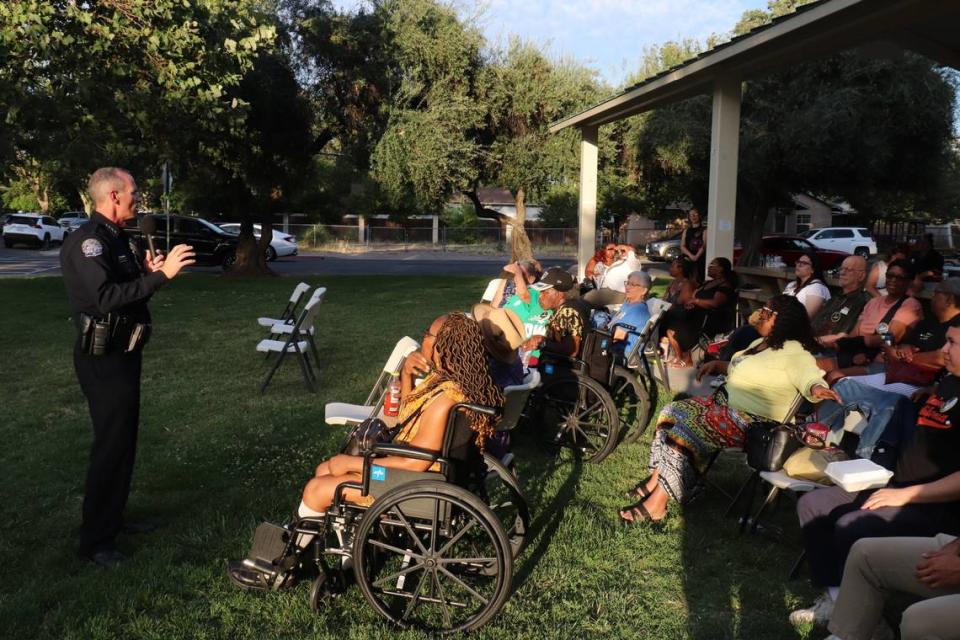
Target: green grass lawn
{"x": 215, "y": 458}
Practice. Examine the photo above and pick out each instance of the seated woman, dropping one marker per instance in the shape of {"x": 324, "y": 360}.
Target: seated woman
{"x": 634, "y": 313}
{"x": 809, "y": 287}
{"x": 684, "y": 283}
{"x": 895, "y": 313}
{"x": 597, "y": 265}
{"x": 762, "y": 383}
{"x": 708, "y": 310}
{"x": 454, "y": 363}
{"x": 877, "y": 279}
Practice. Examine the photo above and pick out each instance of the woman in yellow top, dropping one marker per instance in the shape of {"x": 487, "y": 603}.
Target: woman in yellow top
{"x": 454, "y": 364}
{"x": 762, "y": 383}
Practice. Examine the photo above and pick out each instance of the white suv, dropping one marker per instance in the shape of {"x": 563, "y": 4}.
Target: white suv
{"x": 855, "y": 240}
{"x": 31, "y": 228}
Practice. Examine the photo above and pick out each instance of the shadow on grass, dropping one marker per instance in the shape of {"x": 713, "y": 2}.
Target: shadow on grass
{"x": 547, "y": 512}
{"x": 728, "y": 576}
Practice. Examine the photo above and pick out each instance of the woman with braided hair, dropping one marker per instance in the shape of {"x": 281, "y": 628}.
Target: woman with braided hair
{"x": 453, "y": 364}
{"x": 762, "y": 383}
{"x": 454, "y": 367}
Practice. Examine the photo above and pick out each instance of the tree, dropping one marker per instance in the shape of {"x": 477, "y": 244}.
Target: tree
{"x": 124, "y": 82}
{"x": 524, "y": 93}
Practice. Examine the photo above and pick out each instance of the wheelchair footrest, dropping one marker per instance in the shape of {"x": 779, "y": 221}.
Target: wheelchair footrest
{"x": 269, "y": 544}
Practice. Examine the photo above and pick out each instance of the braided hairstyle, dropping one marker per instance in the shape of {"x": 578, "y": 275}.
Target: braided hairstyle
{"x": 463, "y": 361}
{"x": 792, "y": 323}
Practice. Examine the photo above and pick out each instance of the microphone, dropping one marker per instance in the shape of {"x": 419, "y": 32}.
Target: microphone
{"x": 148, "y": 226}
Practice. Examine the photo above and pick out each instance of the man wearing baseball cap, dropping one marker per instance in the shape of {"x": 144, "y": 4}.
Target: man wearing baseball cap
{"x": 566, "y": 327}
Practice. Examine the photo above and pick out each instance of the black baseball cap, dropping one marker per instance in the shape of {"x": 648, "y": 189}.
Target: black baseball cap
{"x": 554, "y": 278}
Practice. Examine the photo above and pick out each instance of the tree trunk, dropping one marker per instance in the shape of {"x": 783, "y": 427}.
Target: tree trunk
{"x": 520, "y": 248}
{"x": 87, "y": 202}
{"x": 251, "y": 253}
{"x": 756, "y": 214}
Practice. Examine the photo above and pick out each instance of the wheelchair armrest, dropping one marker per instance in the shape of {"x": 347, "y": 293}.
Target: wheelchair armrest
{"x": 405, "y": 451}
{"x": 479, "y": 408}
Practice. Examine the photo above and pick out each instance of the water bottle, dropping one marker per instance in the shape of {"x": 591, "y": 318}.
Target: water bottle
{"x": 391, "y": 402}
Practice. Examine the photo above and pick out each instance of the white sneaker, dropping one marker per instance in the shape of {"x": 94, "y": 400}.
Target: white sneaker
{"x": 818, "y": 614}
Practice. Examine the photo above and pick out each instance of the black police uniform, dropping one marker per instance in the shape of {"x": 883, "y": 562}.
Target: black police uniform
{"x": 105, "y": 281}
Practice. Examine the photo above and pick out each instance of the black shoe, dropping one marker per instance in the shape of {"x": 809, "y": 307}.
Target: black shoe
{"x": 133, "y": 528}
{"x": 107, "y": 558}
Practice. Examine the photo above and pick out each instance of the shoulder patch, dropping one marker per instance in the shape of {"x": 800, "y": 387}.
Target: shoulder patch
{"x": 91, "y": 247}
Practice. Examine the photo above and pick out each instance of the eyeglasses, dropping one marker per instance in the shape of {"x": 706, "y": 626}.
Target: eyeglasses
{"x": 427, "y": 334}
{"x": 632, "y": 284}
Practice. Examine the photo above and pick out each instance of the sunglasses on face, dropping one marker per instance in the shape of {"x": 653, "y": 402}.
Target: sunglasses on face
{"x": 768, "y": 311}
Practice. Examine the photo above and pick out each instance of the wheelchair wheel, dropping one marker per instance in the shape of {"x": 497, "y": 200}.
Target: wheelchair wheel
{"x": 579, "y": 413}
{"x": 432, "y": 555}
{"x": 632, "y": 397}
{"x": 503, "y": 495}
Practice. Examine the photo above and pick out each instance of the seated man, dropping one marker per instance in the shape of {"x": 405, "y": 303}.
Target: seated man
{"x": 883, "y": 319}
{"x": 633, "y": 313}
{"x": 841, "y": 313}
{"x": 566, "y": 328}
{"x": 928, "y": 568}
{"x": 612, "y": 288}
{"x": 921, "y": 500}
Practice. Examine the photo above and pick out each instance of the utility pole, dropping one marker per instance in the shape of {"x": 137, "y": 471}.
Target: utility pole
{"x": 166, "y": 178}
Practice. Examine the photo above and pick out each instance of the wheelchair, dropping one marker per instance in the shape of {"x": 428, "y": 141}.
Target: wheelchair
{"x": 432, "y": 550}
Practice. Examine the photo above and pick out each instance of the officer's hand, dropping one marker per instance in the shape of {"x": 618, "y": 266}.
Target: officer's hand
{"x": 153, "y": 263}
{"x": 180, "y": 256}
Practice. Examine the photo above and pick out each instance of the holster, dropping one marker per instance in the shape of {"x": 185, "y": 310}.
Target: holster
{"x": 112, "y": 334}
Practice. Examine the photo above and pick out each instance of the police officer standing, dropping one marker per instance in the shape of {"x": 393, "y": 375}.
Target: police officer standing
{"x": 108, "y": 291}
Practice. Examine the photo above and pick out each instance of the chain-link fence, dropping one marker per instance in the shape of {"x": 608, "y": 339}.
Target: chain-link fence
{"x": 325, "y": 237}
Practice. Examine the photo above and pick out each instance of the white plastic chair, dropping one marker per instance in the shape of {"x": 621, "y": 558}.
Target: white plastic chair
{"x": 340, "y": 413}
{"x": 308, "y": 331}
{"x": 297, "y": 343}
{"x": 287, "y": 315}
{"x": 491, "y": 291}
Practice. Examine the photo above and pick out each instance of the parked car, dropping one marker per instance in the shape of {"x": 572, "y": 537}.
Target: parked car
{"x": 71, "y": 220}
{"x": 789, "y": 248}
{"x": 664, "y": 250}
{"x": 281, "y": 244}
{"x": 212, "y": 244}
{"x": 856, "y": 240}
{"x": 32, "y": 228}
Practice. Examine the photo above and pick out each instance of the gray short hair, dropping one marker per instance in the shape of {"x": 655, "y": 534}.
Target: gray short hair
{"x": 643, "y": 277}
{"x": 104, "y": 180}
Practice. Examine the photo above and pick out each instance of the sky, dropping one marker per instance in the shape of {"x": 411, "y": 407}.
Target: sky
{"x": 607, "y": 35}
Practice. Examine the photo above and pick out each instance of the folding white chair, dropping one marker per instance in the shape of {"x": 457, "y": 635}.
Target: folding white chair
{"x": 337, "y": 413}
{"x": 287, "y": 315}
{"x": 493, "y": 287}
{"x": 307, "y": 331}
{"x": 297, "y": 342}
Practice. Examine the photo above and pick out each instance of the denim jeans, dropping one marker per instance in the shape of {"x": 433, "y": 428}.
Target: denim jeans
{"x": 890, "y": 416}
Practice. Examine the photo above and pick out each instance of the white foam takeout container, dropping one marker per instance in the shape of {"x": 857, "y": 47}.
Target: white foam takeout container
{"x": 858, "y": 475}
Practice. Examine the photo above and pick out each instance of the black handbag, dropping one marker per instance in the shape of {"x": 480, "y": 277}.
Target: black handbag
{"x": 373, "y": 431}
{"x": 768, "y": 445}
{"x": 597, "y": 353}
{"x": 366, "y": 434}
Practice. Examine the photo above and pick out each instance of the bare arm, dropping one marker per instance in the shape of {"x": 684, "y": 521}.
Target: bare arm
{"x": 945, "y": 489}
{"x": 872, "y": 279}
{"x": 433, "y": 424}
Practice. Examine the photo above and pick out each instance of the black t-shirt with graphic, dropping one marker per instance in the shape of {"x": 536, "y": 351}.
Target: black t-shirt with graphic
{"x": 934, "y": 451}
{"x": 929, "y": 334}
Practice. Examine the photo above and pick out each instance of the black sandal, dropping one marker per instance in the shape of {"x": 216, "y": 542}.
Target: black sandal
{"x": 640, "y": 491}
{"x": 639, "y": 514}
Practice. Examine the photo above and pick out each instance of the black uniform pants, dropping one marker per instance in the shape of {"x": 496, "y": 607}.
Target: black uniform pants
{"x": 111, "y": 384}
